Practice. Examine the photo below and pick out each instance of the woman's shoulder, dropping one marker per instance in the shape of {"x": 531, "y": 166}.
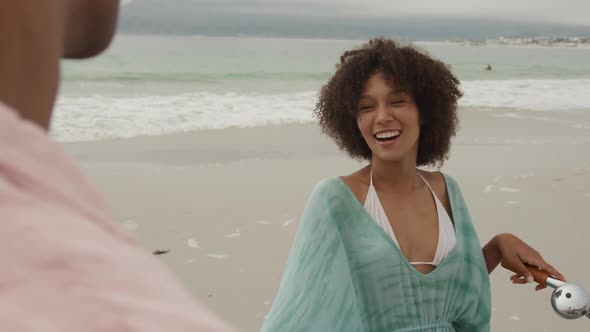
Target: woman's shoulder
{"x": 328, "y": 187}
{"x": 443, "y": 185}
{"x": 342, "y": 188}
{"x": 329, "y": 197}
{"x": 435, "y": 179}
{"x": 357, "y": 183}
{"x": 439, "y": 180}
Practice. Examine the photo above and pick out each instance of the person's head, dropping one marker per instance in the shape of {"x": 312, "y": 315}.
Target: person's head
{"x": 89, "y": 27}
{"x": 34, "y": 35}
{"x": 390, "y": 102}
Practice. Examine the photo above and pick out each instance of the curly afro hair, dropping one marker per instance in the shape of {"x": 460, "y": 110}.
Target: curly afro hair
{"x": 434, "y": 88}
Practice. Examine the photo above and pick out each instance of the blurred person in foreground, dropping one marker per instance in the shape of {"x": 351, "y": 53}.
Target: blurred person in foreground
{"x": 67, "y": 266}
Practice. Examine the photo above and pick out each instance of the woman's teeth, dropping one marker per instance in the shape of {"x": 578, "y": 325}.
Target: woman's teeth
{"x": 387, "y": 135}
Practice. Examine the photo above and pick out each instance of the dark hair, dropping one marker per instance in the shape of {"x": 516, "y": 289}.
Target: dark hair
{"x": 434, "y": 88}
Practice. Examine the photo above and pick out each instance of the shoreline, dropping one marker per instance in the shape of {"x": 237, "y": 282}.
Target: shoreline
{"x": 226, "y": 202}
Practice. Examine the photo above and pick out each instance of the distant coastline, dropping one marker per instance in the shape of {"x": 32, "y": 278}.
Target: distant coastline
{"x": 522, "y": 41}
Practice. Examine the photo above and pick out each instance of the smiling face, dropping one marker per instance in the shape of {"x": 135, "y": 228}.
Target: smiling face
{"x": 389, "y": 121}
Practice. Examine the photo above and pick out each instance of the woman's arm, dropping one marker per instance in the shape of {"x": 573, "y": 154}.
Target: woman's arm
{"x": 491, "y": 254}
{"x": 513, "y": 253}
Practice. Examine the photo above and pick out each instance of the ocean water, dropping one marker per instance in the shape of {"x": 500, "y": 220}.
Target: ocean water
{"x": 153, "y": 85}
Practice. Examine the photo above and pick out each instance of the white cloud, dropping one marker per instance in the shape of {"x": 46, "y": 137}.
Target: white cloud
{"x": 564, "y": 11}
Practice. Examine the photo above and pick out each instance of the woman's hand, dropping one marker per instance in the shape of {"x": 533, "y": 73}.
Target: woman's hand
{"x": 514, "y": 253}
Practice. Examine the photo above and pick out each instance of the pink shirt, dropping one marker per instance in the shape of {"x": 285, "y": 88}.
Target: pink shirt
{"x": 65, "y": 265}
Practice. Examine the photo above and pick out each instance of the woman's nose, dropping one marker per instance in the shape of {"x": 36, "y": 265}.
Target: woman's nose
{"x": 384, "y": 113}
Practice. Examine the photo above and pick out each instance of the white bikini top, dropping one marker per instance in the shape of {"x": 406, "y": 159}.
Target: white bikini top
{"x": 446, "y": 230}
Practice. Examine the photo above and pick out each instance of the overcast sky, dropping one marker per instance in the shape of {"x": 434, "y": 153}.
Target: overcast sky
{"x": 562, "y": 11}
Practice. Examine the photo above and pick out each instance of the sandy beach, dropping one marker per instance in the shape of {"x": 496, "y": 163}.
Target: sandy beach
{"x": 226, "y": 203}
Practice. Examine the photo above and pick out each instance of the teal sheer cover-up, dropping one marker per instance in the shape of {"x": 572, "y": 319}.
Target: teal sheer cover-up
{"x": 344, "y": 273}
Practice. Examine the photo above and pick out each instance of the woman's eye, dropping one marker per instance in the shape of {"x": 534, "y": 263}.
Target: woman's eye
{"x": 366, "y": 108}
{"x": 398, "y": 102}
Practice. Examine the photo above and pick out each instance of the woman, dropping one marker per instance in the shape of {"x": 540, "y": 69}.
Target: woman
{"x": 391, "y": 247}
